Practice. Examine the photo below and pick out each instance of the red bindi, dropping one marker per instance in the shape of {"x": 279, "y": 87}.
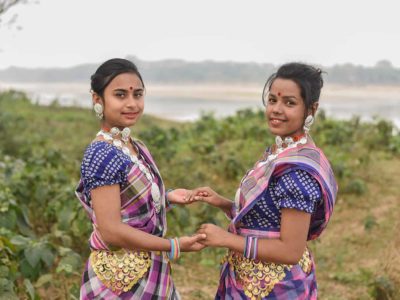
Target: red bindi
{"x": 279, "y": 93}
{"x": 131, "y": 88}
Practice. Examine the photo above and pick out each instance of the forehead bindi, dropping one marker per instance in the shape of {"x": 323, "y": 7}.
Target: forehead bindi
{"x": 126, "y": 81}
{"x": 285, "y": 88}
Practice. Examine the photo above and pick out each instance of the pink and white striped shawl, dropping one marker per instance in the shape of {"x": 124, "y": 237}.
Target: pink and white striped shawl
{"x": 306, "y": 157}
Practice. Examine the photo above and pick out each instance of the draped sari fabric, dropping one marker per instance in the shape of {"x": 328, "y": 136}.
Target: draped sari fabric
{"x": 137, "y": 211}
{"x": 296, "y": 282}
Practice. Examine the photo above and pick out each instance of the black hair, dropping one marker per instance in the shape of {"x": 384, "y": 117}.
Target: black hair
{"x": 307, "y": 77}
{"x": 108, "y": 71}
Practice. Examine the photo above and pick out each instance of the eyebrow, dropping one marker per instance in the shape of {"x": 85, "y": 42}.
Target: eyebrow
{"x": 284, "y": 97}
{"x": 125, "y": 90}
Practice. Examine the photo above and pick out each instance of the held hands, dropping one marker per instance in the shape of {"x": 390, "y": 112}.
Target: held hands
{"x": 192, "y": 243}
{"x": 204, "y": 194}
{"x": 215, "y": 236}
{"x": 179, "y": 196}
{"x": 208, "y": 234}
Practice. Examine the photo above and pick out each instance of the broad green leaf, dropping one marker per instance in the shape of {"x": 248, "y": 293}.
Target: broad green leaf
{"x": 47, "y": 256}
{"x": 65, "y": 217}
{"x": 30, "y": 289}
{"x": 27, "y": 270}
{"x": 69, "y": 263}
{"x": 8, "y": 219}
{"x": 33, "y": 254}
{"x": 63, "y": 250}
{"x": 72, "y": 259}
{"x": 64, "y": 268}
{"x": 20, "y": 240}
{"x": 66, "y": 240}
{"x": 46, "y": 278}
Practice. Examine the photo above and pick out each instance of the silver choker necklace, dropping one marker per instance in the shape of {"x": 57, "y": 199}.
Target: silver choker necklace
{"x": 282, "y": 145}
{"x": 289, "y": 142}
{"x": 122, "y": 144}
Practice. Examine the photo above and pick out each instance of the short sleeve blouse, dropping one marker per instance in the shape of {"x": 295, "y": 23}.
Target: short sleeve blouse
{"x": 296, "y": 189}
{"x": 103, "y": 164}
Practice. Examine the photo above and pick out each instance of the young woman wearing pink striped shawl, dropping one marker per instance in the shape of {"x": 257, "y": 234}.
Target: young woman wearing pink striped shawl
{"x": 124, "y": 196}
{"x": 285, "y": 200}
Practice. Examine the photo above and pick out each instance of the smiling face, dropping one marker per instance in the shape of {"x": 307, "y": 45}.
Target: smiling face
{"x": 285, "y": 109}
{"x": 123, "y": 101}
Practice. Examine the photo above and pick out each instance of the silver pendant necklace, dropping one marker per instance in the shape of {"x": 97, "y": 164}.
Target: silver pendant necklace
{"x": 122, "y": 145}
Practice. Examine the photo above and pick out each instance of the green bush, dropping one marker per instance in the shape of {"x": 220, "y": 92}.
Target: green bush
{"x": 43, "y": 228}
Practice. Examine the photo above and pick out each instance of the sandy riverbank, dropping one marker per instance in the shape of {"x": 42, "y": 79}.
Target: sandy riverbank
{"x": 231, "y": 92}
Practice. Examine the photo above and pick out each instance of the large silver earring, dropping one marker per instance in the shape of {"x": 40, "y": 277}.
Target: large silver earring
{"x": 307, "y": 123}
{"x": 98, "y": 109}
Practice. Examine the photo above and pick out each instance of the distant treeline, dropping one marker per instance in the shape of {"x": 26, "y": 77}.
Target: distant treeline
{"x": 180, "y": 71}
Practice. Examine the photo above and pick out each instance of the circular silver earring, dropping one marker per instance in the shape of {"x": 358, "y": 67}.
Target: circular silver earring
{"x": 307, "y": 123}
{"x": 98, "y": 109}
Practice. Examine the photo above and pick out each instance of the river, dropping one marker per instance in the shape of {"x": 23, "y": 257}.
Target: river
{"x": 188, "y": 102}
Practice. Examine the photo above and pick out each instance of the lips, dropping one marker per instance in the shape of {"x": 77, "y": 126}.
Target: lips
{"x": 275, "y": 121}
{"x": 130, "y": 115}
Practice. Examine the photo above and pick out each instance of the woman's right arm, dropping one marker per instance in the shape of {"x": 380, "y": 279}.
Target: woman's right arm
{"x": 107, "y": 209}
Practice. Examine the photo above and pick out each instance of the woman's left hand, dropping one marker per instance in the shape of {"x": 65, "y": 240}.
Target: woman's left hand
{"x": 179, "y": 196}
{"x": 215, "y": 236}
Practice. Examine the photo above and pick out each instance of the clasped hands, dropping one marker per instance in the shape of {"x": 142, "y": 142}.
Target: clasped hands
{"x": 207, "y": 234}
{"x": 202, "y": 194}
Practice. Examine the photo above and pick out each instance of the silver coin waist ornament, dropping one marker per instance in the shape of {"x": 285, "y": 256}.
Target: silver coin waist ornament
{"x": 122, "y": 144}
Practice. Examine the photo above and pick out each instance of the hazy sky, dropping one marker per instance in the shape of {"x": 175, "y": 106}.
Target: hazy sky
{"x": 69, "y": 32}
